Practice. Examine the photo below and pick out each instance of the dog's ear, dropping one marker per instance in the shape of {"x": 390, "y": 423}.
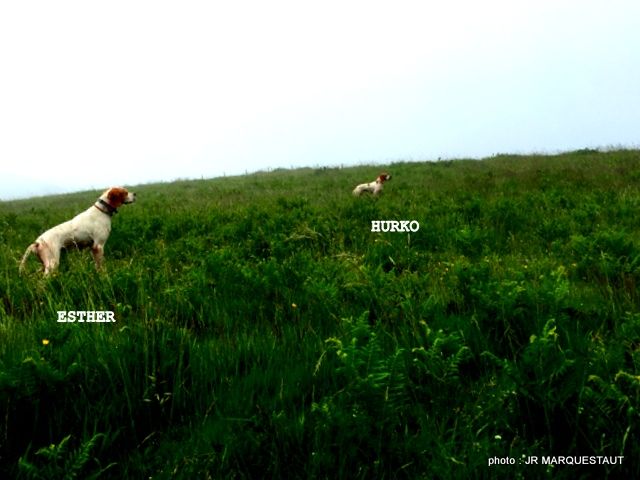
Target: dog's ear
{"x": 117, "y": 196}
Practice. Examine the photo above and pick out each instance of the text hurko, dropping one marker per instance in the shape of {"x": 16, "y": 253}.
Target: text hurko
{"x": 395, "y": 226}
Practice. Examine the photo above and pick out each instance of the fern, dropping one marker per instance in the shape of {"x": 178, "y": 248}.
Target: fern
{"x": 441, "y": 356}
{"x": 364, "y": 365}
{"x": 58, "y": 461}
{"x": 367, "y": 410}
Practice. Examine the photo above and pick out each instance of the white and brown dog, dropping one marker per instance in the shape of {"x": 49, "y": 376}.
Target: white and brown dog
{"x": 374, "y": 187}
{"x": 89, "y": 228}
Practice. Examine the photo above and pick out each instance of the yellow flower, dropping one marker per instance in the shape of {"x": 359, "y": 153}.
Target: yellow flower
{"x": 45, "y": 341}
{"x": 293, "y": 305}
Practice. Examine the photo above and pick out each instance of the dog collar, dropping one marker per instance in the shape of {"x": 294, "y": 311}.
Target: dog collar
{"x": 104, "y": 207}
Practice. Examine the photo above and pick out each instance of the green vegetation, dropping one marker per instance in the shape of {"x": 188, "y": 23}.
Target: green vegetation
{"x": 263, "y": 331}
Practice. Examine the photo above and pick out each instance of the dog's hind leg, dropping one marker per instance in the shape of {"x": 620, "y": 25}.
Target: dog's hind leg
{"x": 49, "y": 257}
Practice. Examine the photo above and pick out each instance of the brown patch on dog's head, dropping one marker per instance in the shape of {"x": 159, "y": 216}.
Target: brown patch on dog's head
{"x": 383, "y": 177}
{"x": 116, "y": 196}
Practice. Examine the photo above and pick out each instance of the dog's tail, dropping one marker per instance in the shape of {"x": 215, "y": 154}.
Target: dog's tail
{"x": 30, "y": 249}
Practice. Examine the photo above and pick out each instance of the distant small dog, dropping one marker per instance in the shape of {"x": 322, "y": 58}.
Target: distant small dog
{"x": 374, "y": 187}
{"x": 89, "y": 228}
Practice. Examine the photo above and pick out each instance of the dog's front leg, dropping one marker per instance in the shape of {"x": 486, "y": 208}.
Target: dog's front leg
{"x": 98, "y": 255}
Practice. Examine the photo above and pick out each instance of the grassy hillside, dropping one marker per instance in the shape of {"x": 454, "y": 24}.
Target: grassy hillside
{"x": 263, "y": 331}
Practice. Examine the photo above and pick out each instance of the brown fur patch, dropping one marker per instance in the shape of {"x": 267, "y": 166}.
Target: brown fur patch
{"x": 117, "y": 196}
{"x": 383, "y": 177}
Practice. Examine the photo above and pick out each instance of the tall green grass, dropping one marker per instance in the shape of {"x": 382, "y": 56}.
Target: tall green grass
{"x": 263, "y": 331}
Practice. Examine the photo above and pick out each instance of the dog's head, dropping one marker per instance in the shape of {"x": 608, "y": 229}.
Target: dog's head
{"x": 383, "y": 177}
{"x": 117, "y": 196}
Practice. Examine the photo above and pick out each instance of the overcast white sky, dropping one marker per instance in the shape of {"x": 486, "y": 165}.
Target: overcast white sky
{"x": 94, "y": 94}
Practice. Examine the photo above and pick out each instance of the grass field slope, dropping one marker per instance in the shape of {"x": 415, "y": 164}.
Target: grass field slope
{"x": 264, "y": 331}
